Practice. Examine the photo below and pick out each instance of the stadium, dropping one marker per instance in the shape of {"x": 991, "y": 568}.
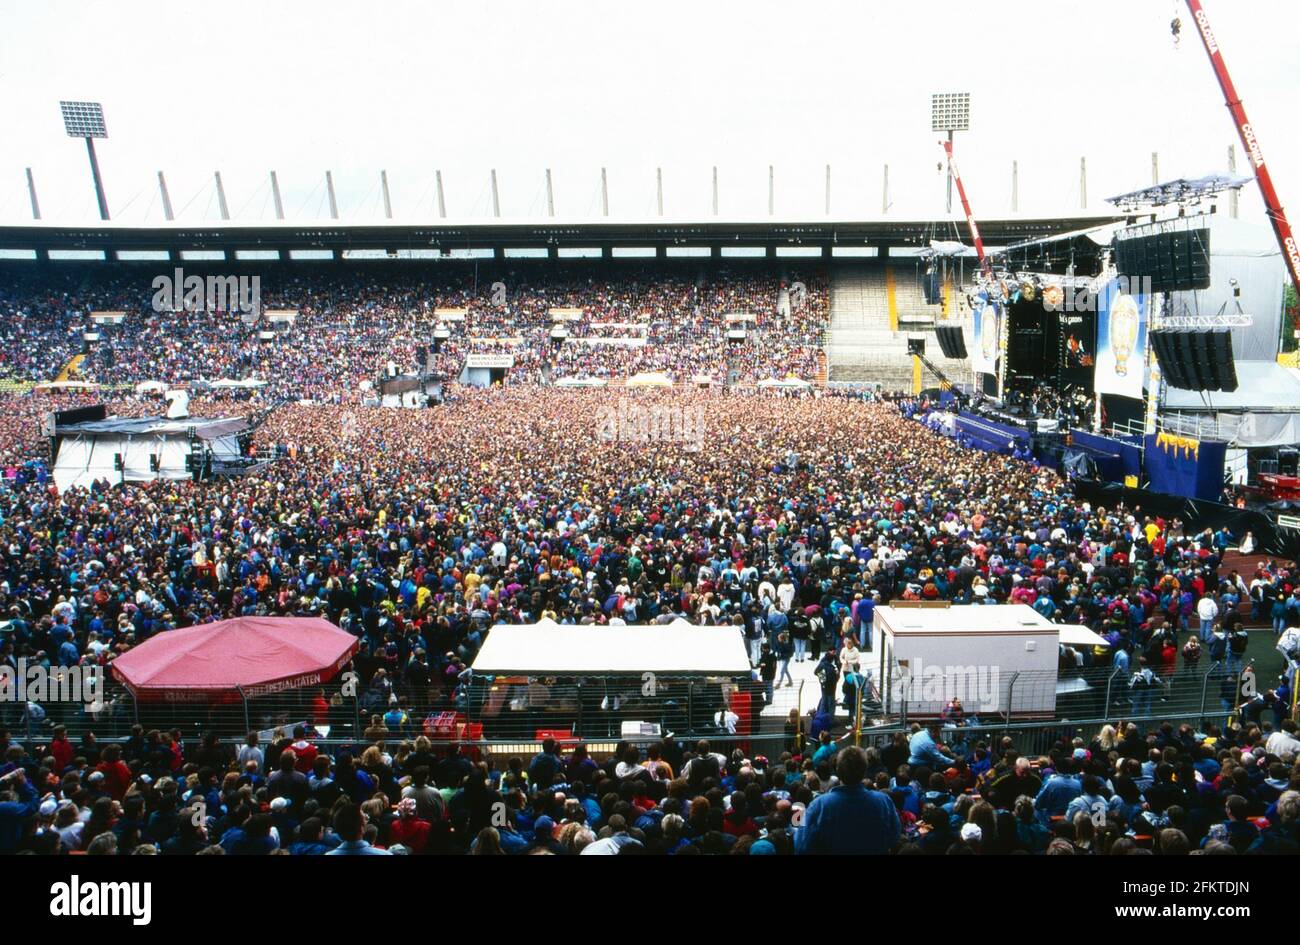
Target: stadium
{"x": 842, "y": 533}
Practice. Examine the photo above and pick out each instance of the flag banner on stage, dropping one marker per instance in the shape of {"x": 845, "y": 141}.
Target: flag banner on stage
{"x": 988, "y": 327}
{"x": 1182, "y": 466}
{"x": 1121, "y": 341}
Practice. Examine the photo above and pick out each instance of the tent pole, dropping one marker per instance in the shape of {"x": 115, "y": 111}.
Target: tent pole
{"x": 248, "y": 727}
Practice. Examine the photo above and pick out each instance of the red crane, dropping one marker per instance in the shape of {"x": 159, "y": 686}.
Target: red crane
{"x": 970, "y": 217}
{"x": 1276, "y": 215}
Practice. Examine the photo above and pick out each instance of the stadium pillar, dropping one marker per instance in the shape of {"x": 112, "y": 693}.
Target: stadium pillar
{"x": 275, "y": 193}
{"x": 1155, "y": 168}
{"x": 221, "y": 196}
{"x": 99, "y": 181}
{"x": 715, "y": 190}
{"x": 771, "y": 190}
{"x": 442, "y": 204}
{"x": 884, "y": 200}
{"x": 334, "y": 203}
{"x": 1015, "y": 186}
{"x": 1234, "y": 194}
{"x": 828, "y": 190}
{"x": 388, "y": 203}
{"x": 496, "y": 197}
{"x": 659, "y": 189}
{"x": 1083, "y": 183}
{"x": 916, "y": 375}
{"x": 604, "y": 193}
{"x": 550, "y": 195}
{"x": 166, "y": 197}
{"x": 31, "y": 192}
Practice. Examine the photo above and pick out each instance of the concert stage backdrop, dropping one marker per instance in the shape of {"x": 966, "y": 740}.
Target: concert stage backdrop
{"x": 1121, "y": 341}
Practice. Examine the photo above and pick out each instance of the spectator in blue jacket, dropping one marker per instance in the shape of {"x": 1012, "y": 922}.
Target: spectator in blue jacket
{"x": 925, "y": 750}
{"x": 1058, "y": 791}
{"x": 850, "y": 818}
{"x": 17, "y": 803}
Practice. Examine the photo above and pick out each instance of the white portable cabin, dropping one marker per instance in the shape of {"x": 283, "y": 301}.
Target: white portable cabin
{"x": 992, "y": 657}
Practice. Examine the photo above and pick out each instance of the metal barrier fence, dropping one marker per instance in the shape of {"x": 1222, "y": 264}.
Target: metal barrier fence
{"x": 506, "y": 709}
{"x": 990, "y": 695}
{"x": 514, "y": 710}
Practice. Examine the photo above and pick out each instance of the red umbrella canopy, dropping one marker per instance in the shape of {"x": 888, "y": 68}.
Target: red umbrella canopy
{"x": 255, "y": 655}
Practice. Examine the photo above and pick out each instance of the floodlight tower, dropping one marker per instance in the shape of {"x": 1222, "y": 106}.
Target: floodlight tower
{"x": 86, "y": 120}
{"x": 950, "y": 111}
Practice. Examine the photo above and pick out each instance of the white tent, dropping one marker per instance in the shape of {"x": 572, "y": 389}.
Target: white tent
{"x": 580, "y": 382}
{"x": 649, "y": 379}
{"x": 789, "y": 383}
{"x": 550, "y": 649}
{"x": 1264, "y": 410}
{"x": 138, "y": 450}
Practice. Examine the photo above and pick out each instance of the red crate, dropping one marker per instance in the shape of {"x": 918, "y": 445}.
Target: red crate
{"x": 442, "y": 726}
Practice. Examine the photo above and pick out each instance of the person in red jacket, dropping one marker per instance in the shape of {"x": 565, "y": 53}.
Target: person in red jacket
{"x": 408, "y": 829}
{"x": 61, "y": 749}
{"x": 303, "y": 750}
{"x": 117, "y": 776}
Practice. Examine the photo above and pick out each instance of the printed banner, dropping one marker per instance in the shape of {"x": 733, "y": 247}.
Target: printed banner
{"x": 1121, "y": 341}
{"x": 988, "y": 329}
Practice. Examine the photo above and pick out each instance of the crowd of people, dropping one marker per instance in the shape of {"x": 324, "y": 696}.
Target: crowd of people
{"x": 349, "y": 326}
{"x": 790, "y": 517}
{"x": 1169, "y": 791}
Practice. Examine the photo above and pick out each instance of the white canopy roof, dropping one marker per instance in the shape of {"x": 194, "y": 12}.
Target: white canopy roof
{"x": 1071, "y": 634}
{"x": 551, "y": 649}
{"x": 580, "y": 382}
{"x": 649, "y": 379}
{"x": 1261, "y": 385}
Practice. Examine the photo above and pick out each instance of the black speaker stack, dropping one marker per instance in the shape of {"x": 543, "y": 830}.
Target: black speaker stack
{"x": 951, "y": 341}
{"x": 1175, "y": 261}
{"x": 1196, "y": 359}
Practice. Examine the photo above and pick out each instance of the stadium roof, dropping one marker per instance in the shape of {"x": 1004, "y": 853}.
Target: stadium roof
{"x": 179, "y": 239}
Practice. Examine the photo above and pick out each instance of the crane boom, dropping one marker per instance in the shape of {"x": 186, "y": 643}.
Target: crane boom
{"x": 970, "y": 217}
{"x": 1273, "y": 207}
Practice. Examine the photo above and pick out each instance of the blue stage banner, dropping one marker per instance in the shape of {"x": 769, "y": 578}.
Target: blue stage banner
{"x": 1127, "y": 455}
{"x": 992, "y": 436}
{"x": 1121, "y": 340}
{"x": 988, "y": 325}
{"x": 1182, "y": 466}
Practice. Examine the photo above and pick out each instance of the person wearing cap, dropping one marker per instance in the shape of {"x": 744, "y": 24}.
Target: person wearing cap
{"x": 409, "y": 829}
{"x": 544, "y": 839}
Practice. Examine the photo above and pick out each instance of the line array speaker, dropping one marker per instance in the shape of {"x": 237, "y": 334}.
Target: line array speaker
{"x": 1196, "y": 359}
{"x": 951, "y": 341}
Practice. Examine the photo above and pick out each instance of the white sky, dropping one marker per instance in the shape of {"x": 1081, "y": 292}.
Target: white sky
{"x": 243, "y": 87}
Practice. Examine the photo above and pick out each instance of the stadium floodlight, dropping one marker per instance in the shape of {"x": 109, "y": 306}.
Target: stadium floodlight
{"x": 83, "y": 119}
{"x": 86, "y": 120}
{"x": 950, "y": 111}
